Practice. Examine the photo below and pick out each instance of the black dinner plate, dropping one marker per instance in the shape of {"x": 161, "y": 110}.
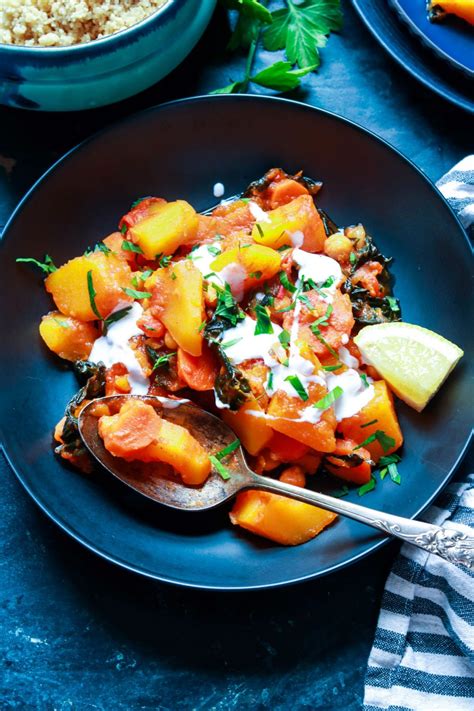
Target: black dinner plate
{"x": 180, "y": 150}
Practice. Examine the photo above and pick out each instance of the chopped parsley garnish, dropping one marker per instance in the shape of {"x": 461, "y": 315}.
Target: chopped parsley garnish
{"x": 284, "y": 337}
{"x": 116, "y": 316}
{"x": 99, "y": 247}
{"x": 298, "y": 386}
{"x": 286, "y": 308}
{"x": 173, "y": 276}
{"x": 367, "y": 424}
{"x": 160, "y": 360}
{"x": 255, "y": 275}
{"x": 213, "y": 250}
{"x": 135, "y": 294}
{"x": 228, "y": 344}
{"x": 61, "y": 322}
{"x": 47, "y": 266}
{"x": 363, "y": 377}
{"x": 328, "y": 283}
{"x": 329, "y": 399}
{"x": 331, "y": 368}
{"x": 264, "y": 325}
{"x": 270, "y": 381}
{"x": 227, "y": 450}
{"x": 286, "y": 283}
{"x": 393, "y": 303}
{"x": 367, "y": 487}
{"x": 322, "y": 320}
{"x": 163, "y": 260}
{"x": 128, "y": 246}
{"x": 383, "y": 439}
{"x": 123, "y": 229}
{"x": 353, "y": 260}
{"x": 219, "y": 467}
{"x": 92, "y": 294}
{"x": 339, "y": 493}
{"x": 227, "y": 307}
{"x": 304, "y": 299}
{"x": 389, "y": 466}
{"x": 283, "y": 247}
{"x": 260, "y": 231}
{"x": 326, "y": 344}
{"x": 202, "y": 325}
{"x": 137, "y": 202}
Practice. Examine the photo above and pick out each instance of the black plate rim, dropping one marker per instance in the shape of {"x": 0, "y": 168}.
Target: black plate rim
{"x": 294, "y": 105}
{"x": 418, "y": 75}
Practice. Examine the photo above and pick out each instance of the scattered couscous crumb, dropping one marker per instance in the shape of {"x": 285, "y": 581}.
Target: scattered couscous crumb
{"x": 60, "y": 23}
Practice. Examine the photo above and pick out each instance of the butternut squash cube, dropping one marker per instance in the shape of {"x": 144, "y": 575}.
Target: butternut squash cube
{"x": 279, "y": 518}
{"x": 260, "y": 263}
{"x": 285, "y": 412}
{"x": 178, "y": 301}
{"x": 171, "y": 225}
{"x": 253, "y": 431}
{"x": 288, "y": 224}
{"x": 381, "y": 412}
{"x": 69, "y": 289}
{"x": 68, "y": 337}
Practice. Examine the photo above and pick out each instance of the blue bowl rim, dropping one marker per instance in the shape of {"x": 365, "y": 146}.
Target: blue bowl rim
{"x": 163, "y": 12}
{"x": 115, "y": 559}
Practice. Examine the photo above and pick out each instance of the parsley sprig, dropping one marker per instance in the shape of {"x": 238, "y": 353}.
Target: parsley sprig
{"x": 299, "y": 28}
{"x": 47, "y": 266}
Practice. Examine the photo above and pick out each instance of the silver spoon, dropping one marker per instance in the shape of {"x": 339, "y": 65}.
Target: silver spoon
{"x": 158, "y": 482}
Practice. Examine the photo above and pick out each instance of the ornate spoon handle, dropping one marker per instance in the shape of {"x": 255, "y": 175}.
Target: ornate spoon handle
{"x": 452, "y": 544}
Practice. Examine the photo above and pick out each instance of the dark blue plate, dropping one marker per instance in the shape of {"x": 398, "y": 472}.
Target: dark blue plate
{"x": 180, "y": 150}
{"x": 452, "y": 39}
{"x": 419, "y": 61}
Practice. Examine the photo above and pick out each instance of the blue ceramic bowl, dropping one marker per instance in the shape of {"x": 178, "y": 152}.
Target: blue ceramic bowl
{"x": 106, "y": 70}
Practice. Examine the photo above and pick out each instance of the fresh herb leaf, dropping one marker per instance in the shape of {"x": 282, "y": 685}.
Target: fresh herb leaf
{"x": 270, "y": 381}
{"x": 250, "y": 8}
{"x": 367, "y": 487}
{"x": 339, "y": 493}
{"x": 284, "y": 337}
{"x": 329, "y": 399}
{"x": 201, "y": 326}
{"x": 302, "y": 29}
{"x": 173, "y": 276}
{"x": 328, "y": 283}
{"x": 219, "y": 467}
{"x": 116, "y": 316}
{"x": 393, "y": 303}
{"x": 263, "y": 325}
{"x": 259, "y": 229}
{"x": 138, "y": 201}
{"x": 352, "y": 258}
{"x": 331, "y": 368}
{"x": 286, "y": 283}
{"x": 322, "y": 340}
{"x": 92, "y": 294}
{"x": 280, "y": 76}
{"x": 283, "y": 247}
{"x": 383, "y": 473}
{"x": 233, "y": 88}
{"x": 47, "y": 265}
{"x": 286, "y": 308}
{"x": 363, "y": 377}
{"x": 159, "y": 360}
{"x": 367, "y": 424}
{"x": 61, "y": 322}
{"x": 128, "y": 246}
{"x": 298, "y": 386}
{"x": 394, "y": 473}
{"x": 227, "y": 450}
{"x": 163, "y": 260}
{"x": 255, "y": 275}
{"x": 390, "y": 459}
{"x": 135, "y": 294}
{"x": 123, "y": 229}
{"x": 322, "y": 320}
{"x": 383, "y": 439}
{"x": 228, "y": 344}
{"x": 213, "y": 250}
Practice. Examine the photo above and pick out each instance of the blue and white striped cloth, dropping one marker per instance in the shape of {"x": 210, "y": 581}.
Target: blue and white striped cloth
{"x": 422, "y": 658}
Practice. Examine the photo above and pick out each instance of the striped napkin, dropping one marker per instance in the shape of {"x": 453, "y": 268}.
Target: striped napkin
{"x": 422, "y": 658}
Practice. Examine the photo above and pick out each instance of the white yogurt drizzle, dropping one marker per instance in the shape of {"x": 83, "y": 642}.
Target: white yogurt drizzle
{"x": 257, "y": 212}
{"x": 114, "y": 348}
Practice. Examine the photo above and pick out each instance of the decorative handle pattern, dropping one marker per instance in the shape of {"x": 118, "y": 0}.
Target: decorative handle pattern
{"x": 449, "y": 543}
{"x": 452, "y": 544}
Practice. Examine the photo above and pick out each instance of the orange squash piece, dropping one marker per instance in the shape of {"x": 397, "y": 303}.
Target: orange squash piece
{"x": 259, "y": 263}
{"x": 339, "y": 467}
{"x": 285, "y": 412}
{"x": 137, "y": 432}
{"x": 382, "y": 410}
{"x": 299, "y": 215}
{"x": 198, "y": 372}
{"x": 253, "y": 431}
{"x": 69, "y": 289}
{"x": 68, "y": 337}
{"x": 178, "y": 301}
{"x": 171, "y": 225}
{"x": 279, "y": 518}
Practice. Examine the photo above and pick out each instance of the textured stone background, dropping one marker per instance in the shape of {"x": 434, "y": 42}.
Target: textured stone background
{"x": 77, "y": 633}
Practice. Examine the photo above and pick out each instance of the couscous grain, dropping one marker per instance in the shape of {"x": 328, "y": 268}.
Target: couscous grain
{"x": 60, "y": 23}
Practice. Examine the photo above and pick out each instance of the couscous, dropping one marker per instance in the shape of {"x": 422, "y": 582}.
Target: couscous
{"x": 60, "y": 23}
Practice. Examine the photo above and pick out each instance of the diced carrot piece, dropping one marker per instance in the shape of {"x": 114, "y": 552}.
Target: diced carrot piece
{"x": 198, "y": 372}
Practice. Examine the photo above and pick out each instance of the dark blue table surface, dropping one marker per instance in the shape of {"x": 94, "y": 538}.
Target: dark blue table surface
{"x": 77, "y": 633}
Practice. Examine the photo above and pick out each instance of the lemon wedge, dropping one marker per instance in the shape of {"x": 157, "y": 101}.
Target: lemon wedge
{"x": 414, "y": 361}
